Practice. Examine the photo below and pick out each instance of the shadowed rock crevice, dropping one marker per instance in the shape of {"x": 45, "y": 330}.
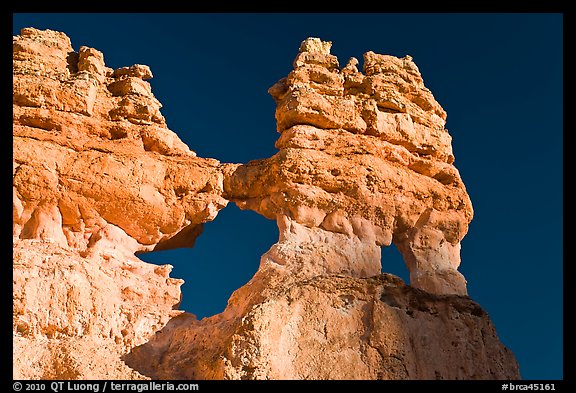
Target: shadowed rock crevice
{"x": 185, "y": 238}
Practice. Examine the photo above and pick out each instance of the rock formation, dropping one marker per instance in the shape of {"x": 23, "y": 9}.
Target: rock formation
{"x": 97, "y": 176}
{"x": 364, "y": 161}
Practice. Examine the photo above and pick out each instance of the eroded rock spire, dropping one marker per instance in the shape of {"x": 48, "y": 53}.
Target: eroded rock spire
{"x": 364, "y": 161}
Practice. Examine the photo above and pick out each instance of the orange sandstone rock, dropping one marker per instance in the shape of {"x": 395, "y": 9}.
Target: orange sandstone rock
{"x": 365, "y": 156}
{"x": 97, "y": 176}
{"x": 330, "y": 327}
{"x": 364, "y": 161}
{"x": 107, "y": 157}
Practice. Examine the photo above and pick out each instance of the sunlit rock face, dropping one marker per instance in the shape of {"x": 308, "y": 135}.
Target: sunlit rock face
{"x": 363, "y": 161}
{"x": 97, "y": 176}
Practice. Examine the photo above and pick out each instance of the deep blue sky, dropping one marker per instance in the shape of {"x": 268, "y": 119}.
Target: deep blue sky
{"x": 499, "y": 77}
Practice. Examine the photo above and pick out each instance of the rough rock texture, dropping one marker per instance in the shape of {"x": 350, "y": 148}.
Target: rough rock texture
{"x": 364, "y": 161}
{"x": 365, "y": 156}
{"x": 333, "y": 327}
{"x": 97, "y": 176}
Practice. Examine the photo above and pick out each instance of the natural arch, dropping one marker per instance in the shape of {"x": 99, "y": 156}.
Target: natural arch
{"x": 223, "y": 259}
{"x": 393, "y": 263}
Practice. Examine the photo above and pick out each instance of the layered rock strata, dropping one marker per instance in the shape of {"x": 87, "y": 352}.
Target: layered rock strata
{"x": 97, "y": 176}
{"x": 364, "y": 161}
